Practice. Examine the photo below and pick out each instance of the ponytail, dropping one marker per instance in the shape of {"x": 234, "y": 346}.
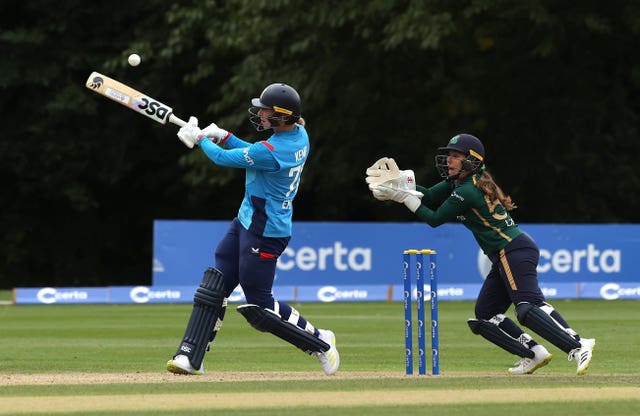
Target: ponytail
{"x": 493, "y": 192}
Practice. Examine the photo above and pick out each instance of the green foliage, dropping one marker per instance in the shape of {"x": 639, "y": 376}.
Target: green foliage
{"x": 550, "y": 87}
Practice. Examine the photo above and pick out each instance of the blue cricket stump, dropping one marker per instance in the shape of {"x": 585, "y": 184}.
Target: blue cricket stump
{"x": 408, "y": 335}
{"x": 408, "y": 321}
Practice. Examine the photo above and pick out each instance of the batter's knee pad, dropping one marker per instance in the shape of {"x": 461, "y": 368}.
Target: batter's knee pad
{"x": 541, "y": 322}
{"x": 266, "y": 320}
{"x": 206, "y": 318}
{"x": 490, "y": 331}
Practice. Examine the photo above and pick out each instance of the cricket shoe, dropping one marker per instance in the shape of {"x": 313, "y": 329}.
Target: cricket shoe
{"x": 329, "y": 359}
{"x": 583, "y": 354}
{"x": 529, "y": 365}
{"x": 181, "y": 365}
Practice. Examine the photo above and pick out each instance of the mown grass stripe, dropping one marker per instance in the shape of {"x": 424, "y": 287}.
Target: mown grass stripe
{"x": 183, "y": 402}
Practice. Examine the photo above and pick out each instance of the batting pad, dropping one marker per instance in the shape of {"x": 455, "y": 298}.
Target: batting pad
{"x": 266, "y": 320}
{"x": 208, "y": 302}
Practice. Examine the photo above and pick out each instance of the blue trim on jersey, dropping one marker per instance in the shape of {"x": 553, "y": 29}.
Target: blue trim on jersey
{"x": 259, "y": 217}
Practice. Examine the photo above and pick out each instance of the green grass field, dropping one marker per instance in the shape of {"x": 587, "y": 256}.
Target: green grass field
{"x": 5, "y": 295}
{"x": 112, "y": 356}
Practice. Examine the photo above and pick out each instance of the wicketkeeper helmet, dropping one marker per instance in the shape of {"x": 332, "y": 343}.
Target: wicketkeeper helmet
{"x": 466, "y": 144}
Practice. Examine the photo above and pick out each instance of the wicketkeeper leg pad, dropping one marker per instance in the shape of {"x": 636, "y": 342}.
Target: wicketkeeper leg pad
{"x": 544, "y": 325}
{"x": 205, "y": 320}
{"x": 492, "y": 333}
{"x": 266, "y": 320}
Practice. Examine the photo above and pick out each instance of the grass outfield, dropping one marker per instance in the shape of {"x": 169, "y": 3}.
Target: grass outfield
{"x": 109, "y": 359}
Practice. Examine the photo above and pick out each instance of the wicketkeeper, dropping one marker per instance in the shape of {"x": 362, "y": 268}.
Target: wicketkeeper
{"x": 248, "y": 253}
{"x": 469, "y": 194}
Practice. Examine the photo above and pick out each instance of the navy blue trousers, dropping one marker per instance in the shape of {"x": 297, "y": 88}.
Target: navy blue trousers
{"x": 512, "y": 279}
{"x": 249, "y": 260}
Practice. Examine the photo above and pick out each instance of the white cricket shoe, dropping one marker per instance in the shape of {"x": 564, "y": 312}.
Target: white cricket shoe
{"x": 583, "y": 354}
{"x": 529, "y": 365}
{"x": 181, "y": 365}
{"x": 330, "y": 359}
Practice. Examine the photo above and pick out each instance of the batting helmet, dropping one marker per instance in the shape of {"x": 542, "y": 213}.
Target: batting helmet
{"x": 283, "y": 99}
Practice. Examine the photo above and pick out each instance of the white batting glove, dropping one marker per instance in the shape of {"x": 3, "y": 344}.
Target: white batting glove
{"x": 410, "y": 198}
{"x": 190, "y": 134}
{"x": 215, "y": 133}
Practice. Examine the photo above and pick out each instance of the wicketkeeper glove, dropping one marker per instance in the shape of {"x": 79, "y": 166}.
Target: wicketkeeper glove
{"x": 386, "y": 170}
{"x": 387, "y": 182}
{"x": 410, "y": 198}
{"x": 383, "y": 170}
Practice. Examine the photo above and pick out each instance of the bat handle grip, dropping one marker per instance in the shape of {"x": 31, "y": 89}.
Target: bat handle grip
{"x": 176, "y": 120}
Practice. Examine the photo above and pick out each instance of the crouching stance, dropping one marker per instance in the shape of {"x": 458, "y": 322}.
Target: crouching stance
{"x": 469, "y": 194}
{"x": 247, "y": 254}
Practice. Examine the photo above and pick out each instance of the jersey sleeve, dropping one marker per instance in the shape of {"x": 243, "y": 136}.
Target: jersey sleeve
{"x": 234, "y": 142}
{"x": 255, "y": 156}
{"x": 435, "y": 195}
{"x": 453, "y": 206}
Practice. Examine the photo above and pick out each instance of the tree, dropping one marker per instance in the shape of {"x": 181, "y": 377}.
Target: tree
{"x": 549, "y": 87}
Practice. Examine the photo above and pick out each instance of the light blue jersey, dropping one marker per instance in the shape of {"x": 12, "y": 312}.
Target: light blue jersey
{"x": 273, "y": 171}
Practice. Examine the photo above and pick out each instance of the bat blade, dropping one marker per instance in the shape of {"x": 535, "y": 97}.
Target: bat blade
{"x": 129, "y": 97}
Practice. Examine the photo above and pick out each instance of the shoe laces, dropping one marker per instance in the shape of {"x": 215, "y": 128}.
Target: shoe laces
{"x": 572, "y": 354}
{"x": 323, "y": 357}
{"x": 579, "y": 355}
{"x": 521, "y": 362}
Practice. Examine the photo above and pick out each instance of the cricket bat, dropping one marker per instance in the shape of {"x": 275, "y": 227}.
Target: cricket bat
{"x": 133, "y": 99}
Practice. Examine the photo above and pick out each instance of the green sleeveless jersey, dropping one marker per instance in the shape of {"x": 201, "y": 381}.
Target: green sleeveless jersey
{"x": 490, "y": 223}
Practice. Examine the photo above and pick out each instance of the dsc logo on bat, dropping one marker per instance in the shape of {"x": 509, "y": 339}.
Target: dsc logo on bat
{"x": 152, "y": 108}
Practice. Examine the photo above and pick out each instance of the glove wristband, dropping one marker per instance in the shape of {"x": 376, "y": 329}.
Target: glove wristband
{"x": 413, "y": 203}
{"x": 225, "y": 138}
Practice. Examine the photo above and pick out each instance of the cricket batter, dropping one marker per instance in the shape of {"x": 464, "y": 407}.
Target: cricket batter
{"x": 248, "y": 253}
{"x": 468, "y": 194}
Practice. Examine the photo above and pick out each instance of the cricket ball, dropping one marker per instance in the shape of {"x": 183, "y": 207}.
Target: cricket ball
{"x": 134, "y": 59}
